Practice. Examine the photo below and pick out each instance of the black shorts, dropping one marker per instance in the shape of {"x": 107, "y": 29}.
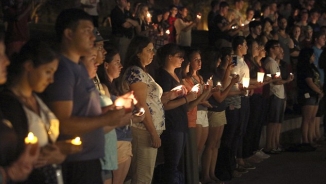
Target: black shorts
{"x": 312, "y": 100}
{"x": 275, "y": 111}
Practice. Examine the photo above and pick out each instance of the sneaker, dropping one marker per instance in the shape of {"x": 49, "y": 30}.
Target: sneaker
{"x": 261, "y": 154}
{"x": 241, "y": 169}
{"x": 254, "y": 159}
{"x": 247, "y": 166}
{"x": 236, "y": 174}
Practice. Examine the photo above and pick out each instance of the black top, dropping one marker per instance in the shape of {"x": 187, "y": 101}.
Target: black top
{"x": 219, "y": 34}
{"x": 217, "y": 106}
{"x": 175, "y": 119}
{"x": 118, "y": 17}
{"x": 306, "y": 71}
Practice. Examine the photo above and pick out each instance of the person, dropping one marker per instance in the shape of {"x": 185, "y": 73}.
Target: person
{"x": 174, "y": 137}
{"x": 220, "y": 70}
{"x": 267, "y": 30}
{"x": 146, "y": 134}
{"x": 183, "y": 28}
{"x": 276, "y": 99}
{"x": 255, "y": 31}
{"x": 238, "y": 5}
{"x": 107, "y": 73}
{"x": 92, "y": 8}
{"x": 17, "y": 159}
{"x": 172, "y": 18}
{"x": 284, "y": 38}
{"x": 314, "y": 16}
{"x": 251, "y": 151}
{"x": 122, "y": 27}
{"x": 16, "y": 33}
{"x": 210, "y": 21}
{"x": 144, "y": 18}
{"x": 225, "y": 30}
{"x": 197, "y": 112}
{"x": 296, "y": 32}
{"x": 31, "y": 72}
{"x": 307, "y": 41}
{"x": 309, "y": 93}
{"x": 75, "y": 101}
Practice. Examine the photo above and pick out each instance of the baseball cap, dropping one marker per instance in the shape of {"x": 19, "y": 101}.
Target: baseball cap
{"x": 98, "y": 37}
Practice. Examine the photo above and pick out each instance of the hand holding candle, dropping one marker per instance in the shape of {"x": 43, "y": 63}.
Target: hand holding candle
{"x": 181, "y": 90}
{"x": 195, "y": 88}
{"x": 260, "y": 76}
{"x": 140, "y": 112}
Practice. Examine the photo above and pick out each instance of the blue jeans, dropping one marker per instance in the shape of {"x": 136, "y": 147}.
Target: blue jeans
{"x": 173, "y": 143}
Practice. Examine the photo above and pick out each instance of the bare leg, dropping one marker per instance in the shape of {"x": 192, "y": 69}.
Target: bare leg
{"x": 120, "y": 174}
{"x": 307, "y": 110}
{"x": 210, "y": 153}
{"x": 317, "y": 127}
{"x": 108, "y": 181}
{"x": 201, "y": 139}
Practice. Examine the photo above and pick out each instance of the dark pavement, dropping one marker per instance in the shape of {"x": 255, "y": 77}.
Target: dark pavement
{"x": 289, "y": 168}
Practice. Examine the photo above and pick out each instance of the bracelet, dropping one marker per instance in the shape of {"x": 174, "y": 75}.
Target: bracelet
{"x": 185, "y": 99}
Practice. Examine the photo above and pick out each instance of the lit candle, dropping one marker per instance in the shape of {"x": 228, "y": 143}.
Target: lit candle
{"x": 261, "y": 14}
{"x": 167, "y": 32}
{"x": 31, "y": 139}
{"x": 245, "y": 82}
{"x": 195, "y": 88}
{"x": 269, "y": 75}
{"x": 219, "y": 84}
{"x": 242, "y": 24}
{"x": 199, "y": 16}
{"x": 260, "y": 76}
{"x": 119, "y": 102}
{"x": 179, "y": 90}
{"x": 140, "y": 112}
{"x": 76, "y": 141}
{"x": 149, "y": 15}
{"x": 291, "y": 73}
{"x": 253, "y": 19}
{"x": 278, "y": 74}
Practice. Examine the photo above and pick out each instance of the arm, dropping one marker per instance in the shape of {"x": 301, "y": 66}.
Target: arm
{"x": 73, "y": 125}
{"x": 220, "y": 96}
{"x": 313, "y": 86}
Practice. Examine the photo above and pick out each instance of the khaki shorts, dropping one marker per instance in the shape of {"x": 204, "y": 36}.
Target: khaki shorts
{"x": 216, "y": 119}
{"x": 124, "y": 151}
{"x": 202, "y": 118}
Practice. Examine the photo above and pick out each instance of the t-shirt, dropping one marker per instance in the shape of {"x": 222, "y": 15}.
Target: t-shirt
{"x": 307, "y": 71}
{"x": 219, "y": 19}
{"x": 91, "y": 11}
{"x": 271, "y": 67}
{"x": 183, "y": 38}
{"x": 118, "y": 18}
{"x": 175, "y": 119}
{"x": 284, "y": 43}
{"x": 72, "y": 83}
{"x": 135, "y": 74}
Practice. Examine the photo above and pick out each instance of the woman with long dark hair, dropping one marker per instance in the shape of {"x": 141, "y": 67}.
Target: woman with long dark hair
{"x": 174, "y": 137}
{"x": 31, "y": 72}
{"x": 309, "y": 93}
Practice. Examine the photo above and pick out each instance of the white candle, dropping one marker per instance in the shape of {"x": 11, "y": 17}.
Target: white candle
{"x": 291, "y": 73}
{"x": 253, "y": 19}
{"x": 199, "y": 16}
{"x": 269, "y": 75}
{"x": 76, "y": 141}
{"x": 242, "y": 24}
{"x": 245, "y": 82}
{"x": 167, "y": 32}
{"x": 219, "y": 84}
{"x": 278, "y": 74}
{"x": 195, "y": 88}
{"x": 31, "y": 139}
{"x": 260, "y": 76}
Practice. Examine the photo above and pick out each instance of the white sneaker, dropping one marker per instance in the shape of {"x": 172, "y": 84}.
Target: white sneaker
{"x": 261, "y": 154}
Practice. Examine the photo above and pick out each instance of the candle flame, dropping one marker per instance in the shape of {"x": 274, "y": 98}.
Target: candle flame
{"x": 167, "y": 32}
{"x": 31, "y": 139}
{"x": 76, "y": 141}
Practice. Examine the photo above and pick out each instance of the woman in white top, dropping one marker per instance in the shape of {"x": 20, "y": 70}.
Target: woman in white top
{"x": 31, "y": 72}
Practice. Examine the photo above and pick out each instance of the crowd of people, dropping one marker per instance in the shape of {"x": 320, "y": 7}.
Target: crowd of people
{"x": 85, "y": 110}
